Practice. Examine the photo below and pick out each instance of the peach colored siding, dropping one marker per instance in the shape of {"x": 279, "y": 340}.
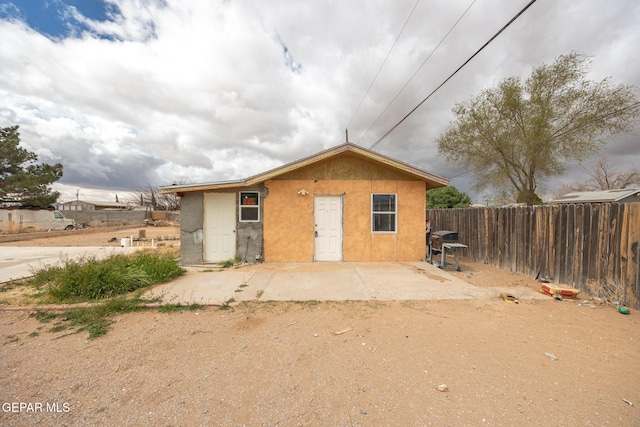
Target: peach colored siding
{"x": 289, "y": 223}
{"x": 412, "y": 206}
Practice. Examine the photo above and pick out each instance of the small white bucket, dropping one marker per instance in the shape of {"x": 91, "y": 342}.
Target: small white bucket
{"x": 125, "y": 243}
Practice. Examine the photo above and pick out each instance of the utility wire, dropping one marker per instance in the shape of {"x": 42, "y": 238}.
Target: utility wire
{"x": 595, "y": 119}
{"x": 460, "y": 175}
{"x": 416, "y": 72}
{"x": 382, "y": 65}
{"x": 454, "y": 73}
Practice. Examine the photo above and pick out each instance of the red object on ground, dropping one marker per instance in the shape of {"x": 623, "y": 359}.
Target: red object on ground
{"x": 554, "y": 291}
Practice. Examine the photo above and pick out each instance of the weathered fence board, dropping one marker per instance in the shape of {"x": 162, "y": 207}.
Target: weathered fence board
{"x": 632, "y": 288}
{"x": 592, "y": 267}
{"x": 592, "y": 247}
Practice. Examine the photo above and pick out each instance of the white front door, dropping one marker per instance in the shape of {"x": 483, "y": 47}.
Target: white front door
{"x": 219, "y": 226}
{"x": 328, "y": 228}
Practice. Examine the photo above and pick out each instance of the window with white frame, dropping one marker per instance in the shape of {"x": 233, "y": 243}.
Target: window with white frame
{"x": 383, "y": 213}
{"x": 249, "y": 206}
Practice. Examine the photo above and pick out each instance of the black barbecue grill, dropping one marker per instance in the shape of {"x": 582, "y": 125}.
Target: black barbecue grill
{"x": 444, "y": 241}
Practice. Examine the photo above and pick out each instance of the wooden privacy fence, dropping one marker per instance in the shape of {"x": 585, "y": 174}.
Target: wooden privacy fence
{"x": 591, "y": 247}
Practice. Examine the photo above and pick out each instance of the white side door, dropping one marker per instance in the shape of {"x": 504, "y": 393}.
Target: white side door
{"x": 219, "y": 226}
{"x": 328, "y": 228}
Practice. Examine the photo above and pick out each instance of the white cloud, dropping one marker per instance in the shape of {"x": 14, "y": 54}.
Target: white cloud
{"x": 204, "y": 91}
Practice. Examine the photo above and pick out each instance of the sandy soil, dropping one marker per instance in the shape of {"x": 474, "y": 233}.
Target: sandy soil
{"x": 283, "y": 364}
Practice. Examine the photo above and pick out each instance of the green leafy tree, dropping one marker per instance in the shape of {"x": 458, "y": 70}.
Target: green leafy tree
{"x": 23, "y": 181}
{"x": 447, "y": 197}
{"x": 520, "y": 134}
{"x": 530, "y": 199}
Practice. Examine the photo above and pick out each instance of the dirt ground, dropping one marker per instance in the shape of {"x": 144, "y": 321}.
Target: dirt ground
{"x": 283, "y": 363}
{"x": 97, "y": 237}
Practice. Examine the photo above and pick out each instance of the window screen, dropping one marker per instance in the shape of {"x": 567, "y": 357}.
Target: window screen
{"x": 249, "y": 206}
{"x": 383, "y": 213}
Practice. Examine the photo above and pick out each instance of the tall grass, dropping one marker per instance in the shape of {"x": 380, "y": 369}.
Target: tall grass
{"x": 95, "y": 320}
{"x": 108, "y": 279}
{"x": 90, "y": 278}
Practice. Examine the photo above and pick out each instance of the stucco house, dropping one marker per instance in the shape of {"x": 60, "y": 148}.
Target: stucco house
{"x": 345, "y": 203}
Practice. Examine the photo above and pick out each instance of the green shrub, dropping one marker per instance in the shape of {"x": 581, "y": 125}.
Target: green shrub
{"x": 93, "y": 279}
{"x": 160, "y": 267}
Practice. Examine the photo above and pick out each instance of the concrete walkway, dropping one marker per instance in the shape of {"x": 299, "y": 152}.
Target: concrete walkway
{"x": 324, "y": 282}
{"x": 17, "y": 262}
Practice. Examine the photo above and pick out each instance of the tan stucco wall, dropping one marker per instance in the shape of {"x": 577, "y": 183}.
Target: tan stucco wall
{"x": 411, "y": 226}
{"x": 289, "y": 221}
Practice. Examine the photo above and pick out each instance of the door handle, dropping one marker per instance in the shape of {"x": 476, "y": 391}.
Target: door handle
{"x": 316, "y": 233}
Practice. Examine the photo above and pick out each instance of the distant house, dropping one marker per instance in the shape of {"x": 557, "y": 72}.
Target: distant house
{"x": 81, "y": 205}
{"x": 346, "y": 203}
{"x": 627, "y": 195}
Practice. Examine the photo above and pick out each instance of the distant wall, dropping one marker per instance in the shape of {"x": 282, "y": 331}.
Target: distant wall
{"x": 17, "y": 237}
{"x": 171, "y": 216}
{"x": 107, "y": 217}
{"x": 121, "y": 217}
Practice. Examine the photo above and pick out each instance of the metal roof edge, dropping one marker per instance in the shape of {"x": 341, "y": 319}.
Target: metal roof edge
{"x": 632, "y": 192}
{"x": 187, "y": 188}
{"x": 622, "y": 193}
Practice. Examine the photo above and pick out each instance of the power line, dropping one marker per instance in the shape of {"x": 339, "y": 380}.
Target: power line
{"x": 382, "y": 65}
{"x": 455, "y": 72}
{"x": 460, "y": 174}
{"x": 595, "y": 119}
{"x": 416, "y": 72}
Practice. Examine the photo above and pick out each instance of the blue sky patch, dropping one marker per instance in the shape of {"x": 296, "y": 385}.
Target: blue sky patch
{"x": 54, "y": 18}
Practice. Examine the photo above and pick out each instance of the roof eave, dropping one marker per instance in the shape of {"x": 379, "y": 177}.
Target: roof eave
{"x": 346, "y": 147}
{"x": 168, "y": 189}
{"x": 306, "y": 161}
{"x": 630, "y": 194}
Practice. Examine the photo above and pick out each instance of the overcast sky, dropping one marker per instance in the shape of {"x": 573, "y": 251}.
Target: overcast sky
{"x": 126, "y": 93}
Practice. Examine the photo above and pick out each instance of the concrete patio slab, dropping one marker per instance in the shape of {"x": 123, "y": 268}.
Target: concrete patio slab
{"x": 332, "y": 284}
{"x": 212, "y": 286}
{"x": 420, "y": 281}
{"x": 323, "y": 282}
